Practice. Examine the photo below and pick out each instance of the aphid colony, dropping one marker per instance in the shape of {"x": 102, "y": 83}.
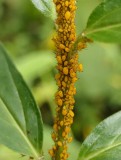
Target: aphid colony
{"x": 66, "y": 77}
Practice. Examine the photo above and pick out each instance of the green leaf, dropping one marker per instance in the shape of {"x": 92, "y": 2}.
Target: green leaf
{"x": 30, "y": 66}
{"x": 104, "y": 143}
{"x": 47, "y": 7}
{"x": 20, "y": 119}
{"x": 10, "y": 154}
{"x": 104, "y": 24}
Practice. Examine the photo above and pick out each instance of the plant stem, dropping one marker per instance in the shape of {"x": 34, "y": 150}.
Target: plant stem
{"x": 67, "y": 67}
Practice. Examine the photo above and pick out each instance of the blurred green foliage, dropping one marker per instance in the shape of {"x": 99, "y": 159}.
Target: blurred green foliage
{"x": 27, "y": 34}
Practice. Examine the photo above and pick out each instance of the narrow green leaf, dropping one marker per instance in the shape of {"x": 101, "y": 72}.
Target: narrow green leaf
{"x": 20, "y": 119}
{"x": 104, "y": 24}
{"x": 104, "y": 143}
{"x": 47, "y": 7}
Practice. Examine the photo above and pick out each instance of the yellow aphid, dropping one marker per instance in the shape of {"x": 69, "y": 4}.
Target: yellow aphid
{"x": 60, "y": 93}
{"x": 53, "y": 136}
{"x": 55, "y": 127}
{"x": 65, "y": 63}
{"x": 66, "y": 3}
{"x": 73, "y": 8}
{"x": 58, "y": 7}
{"x": 57, "y": 76}
{"x": 59, "y": 143}
{"x": 71, "y": 113}
{"x": 61, "y": 123}
{"x": 65, "y": 70}
{"x": 72, "y": 87}
{"x": 58, "y": 83}
{"x": 61, "y": 155}
{"x": 66, "y": 156}
{"x": 67, "y": 49}
{"x": 54, "y": 1}
{"x": 71, "y": 60}
{"x": 51, "y": 152}
{"x": 59, "y": 67}
{"x": 81, "y": 45}
{"x": 71, "y": 107}
{"x": 73, "y": 74}
{"x": 59, "y": 59}
{"x": 63, "y": 84}
{"x": 67, "y": 123}
{"x": 60, "y": 30}
{"x": 70, "y": 93}
{"x": 61, "y": 46}
{"x": 54, "y": 147}
{"x": 64, "y": 151}
{"x": 67, "y": 15}
{"x": 63, "y": 134}
{"x": 72, "y": 37}
{"x": 67, "y": 129}
{"x": 72, "y": 30}
{"x": 63, "y": 57}
{"x": 70, "y": 6}
{"x": 71, "y": 121}
{"x": 64, "y": 112}
{"x": 70, "y": 139}
{"x": 74, "y": 91}
{"x": 80, "y": 68}
{"x": 59, "y": 102}
{"x": 74, "y": 79}
{"x": 65, "y": 147}
{"x": 65, "y": 38}
{"x": 66, "y": 79}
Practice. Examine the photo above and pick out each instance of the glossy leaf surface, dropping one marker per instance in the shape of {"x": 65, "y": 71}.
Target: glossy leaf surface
{"x": 104, "y": 24}
{"x": 20, "y": 119}
{"x": 47, "y": 7}
{"x": 104, "y": 142}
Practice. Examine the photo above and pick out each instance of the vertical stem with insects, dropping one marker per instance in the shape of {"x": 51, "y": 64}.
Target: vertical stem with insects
{"x": 66, "y": 77}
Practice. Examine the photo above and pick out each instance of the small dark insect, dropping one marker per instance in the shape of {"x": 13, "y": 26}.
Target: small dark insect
{"x": 28, "y": 132}
{"x": 31, "y": 158}
{"x": 22, "y": 155}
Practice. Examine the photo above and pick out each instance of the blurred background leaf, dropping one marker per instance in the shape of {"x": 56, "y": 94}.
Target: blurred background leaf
{"x": 27, "y": 34}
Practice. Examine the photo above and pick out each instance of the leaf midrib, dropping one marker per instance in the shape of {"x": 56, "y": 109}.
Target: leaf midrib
{"x": 45, "y": 5}
{"x": 20, "y": 100}
{"x": 103, "y": 29}
{"x": 20, "y": 130}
